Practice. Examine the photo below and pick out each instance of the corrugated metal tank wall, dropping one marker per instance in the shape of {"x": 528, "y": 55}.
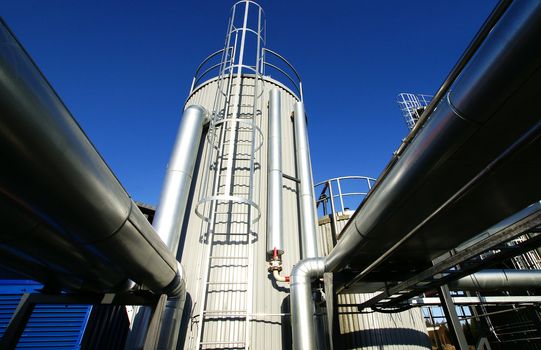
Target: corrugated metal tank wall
{"x": 402, "y": 330}
{"x": 269, "y": 325}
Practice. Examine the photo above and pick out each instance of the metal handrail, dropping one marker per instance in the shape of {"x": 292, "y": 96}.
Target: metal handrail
{"x": 294, "y": 79}
{"x": 285, "y": 61}
{"x": 298, "y": 86}
{"x": 327, "y": 197}
{"x": 197, "y": 76}
{"x": 327, "y": 185}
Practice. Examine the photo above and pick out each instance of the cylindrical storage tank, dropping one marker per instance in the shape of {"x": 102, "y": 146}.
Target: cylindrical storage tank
{"x": 400, "y": 330}
{"x": 226, "y": 270}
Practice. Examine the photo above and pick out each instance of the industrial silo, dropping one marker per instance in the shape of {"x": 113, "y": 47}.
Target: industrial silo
{"x": 233, "y": 300}
{"x": 252, "y": 200}
{"x": 401, "y": 329}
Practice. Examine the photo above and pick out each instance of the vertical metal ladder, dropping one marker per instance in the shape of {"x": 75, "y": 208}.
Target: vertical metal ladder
{"x": 227, "y": 201}
{"x": 225, "y": 302}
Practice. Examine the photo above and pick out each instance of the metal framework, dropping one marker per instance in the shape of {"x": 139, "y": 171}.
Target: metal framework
{"x": 522, "y": 300}
{"x": 520, "y": 316}
{"x": 469, "y": 259}
{"x": 412, "y": 106}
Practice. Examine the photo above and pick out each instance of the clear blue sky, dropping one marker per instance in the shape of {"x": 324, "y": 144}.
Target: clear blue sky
{"x": 124, "y": 69}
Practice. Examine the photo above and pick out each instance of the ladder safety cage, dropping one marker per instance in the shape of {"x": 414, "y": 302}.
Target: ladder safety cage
{"x": 227, "y": 204}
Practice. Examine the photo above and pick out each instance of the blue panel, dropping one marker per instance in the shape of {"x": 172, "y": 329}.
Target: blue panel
{"x": 50, "y": 326}
{"x": 10, "y": 295}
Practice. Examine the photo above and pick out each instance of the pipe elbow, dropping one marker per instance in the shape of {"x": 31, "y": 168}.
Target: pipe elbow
{"x": 280, "y": 278}
{"x": 306, "y": 270}
{"x": 177, "y": 287}
{"x": 200, "y": 110}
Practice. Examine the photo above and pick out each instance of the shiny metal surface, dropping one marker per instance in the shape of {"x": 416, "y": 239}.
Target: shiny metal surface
{"x": 502, "y": 64}
{"x": 178, "y": 179}
{"x": 459, "y": 140}
{"x": 172, "y": 209}
{"x": 172, "y": 316}
{"x": 62, "y": 183}
{"x": 82, "y": 269}
{"x": 303, "y": 330}
{"x": 479, "y": 38}
{"x": 306, "y": 188}
{"x": 499, "y": 280}
{"x": 274, "y": 176}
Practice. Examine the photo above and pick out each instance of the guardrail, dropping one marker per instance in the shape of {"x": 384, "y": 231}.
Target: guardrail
{"x": 337, "y": 197}
{"x": 341, "y": 196}
{"x": 272, "y": 62}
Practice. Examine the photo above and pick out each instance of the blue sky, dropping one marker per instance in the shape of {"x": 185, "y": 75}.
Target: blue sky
{"x": 124, "y": 69}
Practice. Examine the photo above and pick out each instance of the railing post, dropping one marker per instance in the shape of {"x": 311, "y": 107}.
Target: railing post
{"x": 340, "y": 194}
{"x": 333, "y": 215}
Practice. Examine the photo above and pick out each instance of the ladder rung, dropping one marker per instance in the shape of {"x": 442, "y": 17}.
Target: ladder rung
{"x": 225, "y": 312}
{"x": 229, "y": 234}
{"x": 229, "y": 257}
{"x": 221, "y": 318}
{"x": 213, "y": 283}
{"x": 236, "y": 175}
{"x": 223, "y": 343}
{"x": 235, "y": 263}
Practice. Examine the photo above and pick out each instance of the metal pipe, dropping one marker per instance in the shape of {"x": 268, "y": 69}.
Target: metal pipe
{"x": 306, "y": 190}
{"x": 477, "y": 94}
{"x": 172, "y": 317}
{"x": 479, "y": 38}
{"x": 178, "y": 179}
{"x": 280, "y": 278}
{"x": 59, "y": 178}
{"x": 484, "y": 82}
{"x": 274, "y": 176}
{"x": 172, "y": 210}
{"x": 499, "y": 280}
{"x": 302, "y": 305}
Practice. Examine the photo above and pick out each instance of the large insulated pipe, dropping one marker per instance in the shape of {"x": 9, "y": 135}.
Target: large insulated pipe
{"x": 274, "y": 177}
{"x": 306, "y": 190}
{"x": 502, "y": 65}
{"x": 307, "y": 270}
{"x": 56, "y": 175}
{"x": 19, "y": 252}
{"x": 172, "y": 208}
{"x": 178, "y": 178}
{"x": 486, "y": 79}
{"x": 499, "y": 280}
{"x": 302, "y": 305}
